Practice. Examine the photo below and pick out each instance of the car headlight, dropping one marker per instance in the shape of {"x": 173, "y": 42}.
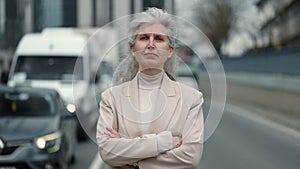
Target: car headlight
{"x": 71, "y": 108}
{"x": 50, "y": 142}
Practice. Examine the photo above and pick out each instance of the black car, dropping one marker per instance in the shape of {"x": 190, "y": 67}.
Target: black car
{"x": 36, "y": 130}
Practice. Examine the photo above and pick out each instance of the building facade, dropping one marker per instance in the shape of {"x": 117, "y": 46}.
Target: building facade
{"x": 18, "y": 17}
{"x": 280, "y": 23}
{"x": 34, "y": 15}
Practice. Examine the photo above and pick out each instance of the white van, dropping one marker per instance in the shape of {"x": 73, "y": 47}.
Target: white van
{"x": 52, "y": 61}
{"x": 48, "y": 60}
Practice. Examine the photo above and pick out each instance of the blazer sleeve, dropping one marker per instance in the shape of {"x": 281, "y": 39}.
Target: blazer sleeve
{"x": 188, "y": 155}
{"x": 121, "y": 151}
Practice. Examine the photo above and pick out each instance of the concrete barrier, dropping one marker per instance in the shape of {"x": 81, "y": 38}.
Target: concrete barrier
{"x": 271, "y": 91}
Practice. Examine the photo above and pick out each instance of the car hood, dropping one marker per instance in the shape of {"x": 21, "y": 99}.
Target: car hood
{"x": 17, "y": 128}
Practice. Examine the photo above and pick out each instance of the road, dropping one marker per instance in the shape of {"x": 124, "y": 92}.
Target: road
{"x": 246, "y": 140}
{"x": 243, "y": 140}
{"x": 85, "y": 155}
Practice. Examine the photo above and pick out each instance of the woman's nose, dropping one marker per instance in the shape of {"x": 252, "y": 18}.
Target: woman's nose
{"x": 151, "y": 43}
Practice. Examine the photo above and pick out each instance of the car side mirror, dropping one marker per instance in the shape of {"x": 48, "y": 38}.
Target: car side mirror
{"x": 4, "y": 77}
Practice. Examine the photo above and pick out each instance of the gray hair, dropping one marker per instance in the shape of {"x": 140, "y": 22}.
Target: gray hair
{"x": 153, "y": 15}
{"x": 128, "y": 68}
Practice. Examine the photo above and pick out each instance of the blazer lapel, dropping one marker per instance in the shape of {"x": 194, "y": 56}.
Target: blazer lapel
{"x": 132, "y": 93}
{"x": 130, "y": 108}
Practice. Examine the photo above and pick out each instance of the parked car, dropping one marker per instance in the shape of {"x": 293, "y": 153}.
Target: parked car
{"x": 36, "y": 129}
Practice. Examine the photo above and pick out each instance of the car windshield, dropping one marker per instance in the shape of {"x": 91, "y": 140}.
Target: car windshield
{"x": 26, "y": 104}
{"x": 50, "y": 67}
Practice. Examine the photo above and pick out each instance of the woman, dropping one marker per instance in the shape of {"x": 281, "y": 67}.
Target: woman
{"x": 151, "y": 121}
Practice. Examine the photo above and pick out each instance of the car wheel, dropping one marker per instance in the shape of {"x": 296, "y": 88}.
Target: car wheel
{"x": 64, "y": 160}
{"x": 73, "y": 159}
{"x": 63, "y": 165}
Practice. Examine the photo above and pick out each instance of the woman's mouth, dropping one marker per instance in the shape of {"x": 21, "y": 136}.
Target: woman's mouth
{"x": 150, "y": 54}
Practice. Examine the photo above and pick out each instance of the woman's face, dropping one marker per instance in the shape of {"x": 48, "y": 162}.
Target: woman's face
{"x": 151, "y": 48}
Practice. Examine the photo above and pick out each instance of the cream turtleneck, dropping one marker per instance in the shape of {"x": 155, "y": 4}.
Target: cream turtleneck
{"x": 149, "y": 94}
{"x": 151, "y": 104}
{"x": 149, "y": 82}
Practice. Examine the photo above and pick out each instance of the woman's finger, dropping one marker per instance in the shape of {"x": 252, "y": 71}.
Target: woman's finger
{"x": 113, "y": 133}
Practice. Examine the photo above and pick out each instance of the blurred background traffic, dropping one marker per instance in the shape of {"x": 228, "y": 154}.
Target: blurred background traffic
{"x": 56, "y": 44}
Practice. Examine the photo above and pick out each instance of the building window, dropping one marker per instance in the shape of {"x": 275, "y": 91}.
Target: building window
{"x": 69, "y": 13}
{"x": 153, "y": 3}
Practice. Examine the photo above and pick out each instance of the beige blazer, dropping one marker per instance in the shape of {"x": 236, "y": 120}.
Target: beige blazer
{"x": 180, "y": 112}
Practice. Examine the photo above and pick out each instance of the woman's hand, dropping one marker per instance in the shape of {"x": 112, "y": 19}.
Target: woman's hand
{"x": 112, "y": 133}
{"x": 177, "y": 141}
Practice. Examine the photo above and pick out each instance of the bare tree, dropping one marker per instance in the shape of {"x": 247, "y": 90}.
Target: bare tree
{"x": 220, "y": 20}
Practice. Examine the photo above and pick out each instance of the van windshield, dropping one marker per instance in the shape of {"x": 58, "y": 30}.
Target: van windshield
{"x": 50, "y": 67}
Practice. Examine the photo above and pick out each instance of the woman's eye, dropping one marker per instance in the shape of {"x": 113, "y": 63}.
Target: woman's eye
{"x": 159, "y": 39}
{"x": 143, "y": 38}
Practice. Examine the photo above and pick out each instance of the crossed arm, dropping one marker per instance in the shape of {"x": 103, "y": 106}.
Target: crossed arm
{"x": 113, "y": 133}
{"x": 116, "y": 150}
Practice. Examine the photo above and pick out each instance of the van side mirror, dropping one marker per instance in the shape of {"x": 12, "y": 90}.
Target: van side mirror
{"x": 97, "y": 79}
{"x": 4, "y": 77}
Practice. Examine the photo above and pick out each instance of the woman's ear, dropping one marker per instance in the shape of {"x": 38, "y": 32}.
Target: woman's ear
{"x": 171, "y": 51}
{"x": 132, "y": 49}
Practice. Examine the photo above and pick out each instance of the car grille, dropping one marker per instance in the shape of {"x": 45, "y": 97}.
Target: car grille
{"x": 11, "y": 146}
{"x": 8, "y": 150}
{"x": 15, "y": 166}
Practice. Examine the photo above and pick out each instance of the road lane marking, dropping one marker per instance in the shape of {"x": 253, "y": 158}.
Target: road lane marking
{"x": 262, "y": 120}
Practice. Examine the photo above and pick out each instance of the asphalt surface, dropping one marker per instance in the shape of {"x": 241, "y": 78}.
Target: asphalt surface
{"x": 85, "y": 155}
{"x": 244, "y": 139}
{"x": 247, "y": 140}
